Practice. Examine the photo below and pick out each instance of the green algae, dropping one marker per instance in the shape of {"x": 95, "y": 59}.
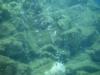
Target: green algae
{"x": 35, "y": 34}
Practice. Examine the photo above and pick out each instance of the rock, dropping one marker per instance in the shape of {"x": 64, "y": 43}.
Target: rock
{"x": 96, "y": 56}
{"x": 10, "y": 67}
{"x": 4, "y": 14}
{"x": 57, "y": 69}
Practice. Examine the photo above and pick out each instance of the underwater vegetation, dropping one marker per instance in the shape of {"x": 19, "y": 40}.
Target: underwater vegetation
{"x": 49, "y": 37}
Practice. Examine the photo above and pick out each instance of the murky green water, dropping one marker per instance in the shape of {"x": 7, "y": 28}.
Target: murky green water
{"x": 49, "y": 37}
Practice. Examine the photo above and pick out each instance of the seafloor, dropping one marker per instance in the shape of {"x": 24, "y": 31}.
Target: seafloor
{"x": 49, "y": 37}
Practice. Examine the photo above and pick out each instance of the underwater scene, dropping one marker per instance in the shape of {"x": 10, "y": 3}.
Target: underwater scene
{"x": 49, "y": 37}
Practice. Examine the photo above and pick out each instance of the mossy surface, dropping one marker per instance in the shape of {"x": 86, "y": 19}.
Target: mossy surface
{"x": 34, "y": 34}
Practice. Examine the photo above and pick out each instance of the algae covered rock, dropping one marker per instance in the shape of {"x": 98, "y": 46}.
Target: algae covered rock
{"x": 10, "y": 67}
{"x": 4, "y": 14}
{"x": 96, "y": 56}
{"x": 34, "y": 34}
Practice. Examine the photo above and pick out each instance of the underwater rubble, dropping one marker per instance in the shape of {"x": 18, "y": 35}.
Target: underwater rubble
{"x": 49, "y": 37}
